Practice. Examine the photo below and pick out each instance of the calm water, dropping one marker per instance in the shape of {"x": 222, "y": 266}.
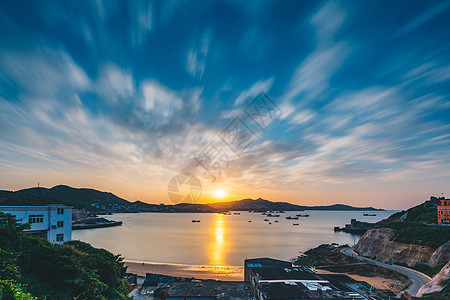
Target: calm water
{"x": 218, "y": 239}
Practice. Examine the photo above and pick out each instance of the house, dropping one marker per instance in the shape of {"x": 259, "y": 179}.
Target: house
{"x": 443, "y": 211}
{"x": 53, "y": 222}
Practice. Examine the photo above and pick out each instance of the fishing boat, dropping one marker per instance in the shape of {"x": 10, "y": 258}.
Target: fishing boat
{"x": 195, "y": 221}
{"x": 266, "y": 220}
{"x": 291, "y": 218}
{"x": 276, "y": 221}
{"x": 369, "y": 215}
{"x": 295, "y": 224}
{"x": 302, "y": 215}
{"x": 273, "y": 215}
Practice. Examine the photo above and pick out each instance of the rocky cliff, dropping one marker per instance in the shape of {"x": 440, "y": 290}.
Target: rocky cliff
{"x": 437, "y": 283}
{"x": 441, "y": 255}
{"x": 376, "y": 243}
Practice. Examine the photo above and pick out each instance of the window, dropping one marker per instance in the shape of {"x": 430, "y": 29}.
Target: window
{"x": 60, "y": 237}
{"x": 60, "y": 223}
{"x": 60, "y": 211}
{"x": 36, "y": 219}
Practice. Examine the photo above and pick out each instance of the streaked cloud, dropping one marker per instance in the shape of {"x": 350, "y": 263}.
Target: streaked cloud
{"x": 123, "y": 95}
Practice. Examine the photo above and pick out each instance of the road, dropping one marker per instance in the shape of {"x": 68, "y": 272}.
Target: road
{"x": 418, "y": 279}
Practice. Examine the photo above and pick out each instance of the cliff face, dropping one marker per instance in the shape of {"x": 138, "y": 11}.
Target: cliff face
{"x": 436, "y": 284}
{"x": 441, "y": 255}
{"x": 375, "y": 243}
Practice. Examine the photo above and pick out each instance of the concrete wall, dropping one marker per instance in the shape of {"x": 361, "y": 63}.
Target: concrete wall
{"x": 50, "y": 220}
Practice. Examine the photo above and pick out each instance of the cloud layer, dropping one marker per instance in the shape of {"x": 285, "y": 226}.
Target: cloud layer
{"x": 122, "y": 95}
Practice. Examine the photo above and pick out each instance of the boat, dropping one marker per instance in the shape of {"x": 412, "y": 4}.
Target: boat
{"x": 273, "y": 215}
{"x": 270, "y": 223}
{"x": 295, "y": 224}
{"x": 302, "y": 215}
{"x": 195, "y": 221}
{"x": 276, "y": 221}
{"x": 291, "y": 218}
{"x": 236, "y": 213}
{"x": 249, "y": 221}
{"x": 227, "y": 213}
{"x": 369, "y": 215}
{"x": 264, "y": 213}
{"x": 266, "y": 220}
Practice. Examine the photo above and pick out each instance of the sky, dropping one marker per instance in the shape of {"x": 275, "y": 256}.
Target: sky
{"x": 310, "y": 102}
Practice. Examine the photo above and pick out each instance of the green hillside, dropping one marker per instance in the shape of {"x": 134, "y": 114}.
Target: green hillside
{"x": 418, "y": 225}
{"x": 33, "y": 268}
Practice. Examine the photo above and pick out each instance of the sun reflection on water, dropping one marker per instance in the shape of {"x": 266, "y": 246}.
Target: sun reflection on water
{"x": 218, "y": 243}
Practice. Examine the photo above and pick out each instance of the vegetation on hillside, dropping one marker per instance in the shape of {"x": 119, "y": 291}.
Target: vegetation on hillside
{"x": 33, "y": 267}
{"x": 419, "y": 234}
{"x": 422, "y": 213}
{"x": 16, "y": 199}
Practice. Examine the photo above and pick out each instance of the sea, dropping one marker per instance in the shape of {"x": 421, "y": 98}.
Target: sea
{"x": 218, "y": 239}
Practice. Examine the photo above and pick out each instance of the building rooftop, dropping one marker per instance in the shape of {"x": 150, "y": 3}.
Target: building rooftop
{"x": 292, "y": 273}
{"x": 284, "y": 291}
{"x": 266, "y": 262}
{"x": 30, "y": 207}
{"x": 210, "y": 289}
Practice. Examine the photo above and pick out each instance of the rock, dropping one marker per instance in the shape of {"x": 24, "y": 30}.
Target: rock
{"x": 441, "y": 255}
{"x": 374, "y": 241}
{"x": 436, "y": 284}
{"x": 405, "y": 253}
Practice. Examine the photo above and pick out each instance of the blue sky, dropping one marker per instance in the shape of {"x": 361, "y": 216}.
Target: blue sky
{"x": 122, "y": 95}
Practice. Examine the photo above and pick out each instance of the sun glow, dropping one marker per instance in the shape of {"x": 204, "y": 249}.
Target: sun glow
{"x": 220, "y": 194}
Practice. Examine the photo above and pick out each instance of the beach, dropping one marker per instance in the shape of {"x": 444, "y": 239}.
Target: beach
{"x": 225, "y": 273}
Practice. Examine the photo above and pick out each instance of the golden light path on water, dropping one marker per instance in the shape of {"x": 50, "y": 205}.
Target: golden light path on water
{"x": 218, "y": 243}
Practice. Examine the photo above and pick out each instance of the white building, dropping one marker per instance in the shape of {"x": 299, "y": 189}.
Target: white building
{"x": 54, "y": 222}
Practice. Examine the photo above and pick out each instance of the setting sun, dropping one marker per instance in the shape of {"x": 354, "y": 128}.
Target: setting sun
{"x": 220, "y": 194}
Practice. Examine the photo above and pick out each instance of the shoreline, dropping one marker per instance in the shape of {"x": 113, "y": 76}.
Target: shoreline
{"x": 223, "y": 273}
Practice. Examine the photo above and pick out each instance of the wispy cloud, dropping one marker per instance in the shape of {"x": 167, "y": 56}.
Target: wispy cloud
{"x": 196, "y": 57}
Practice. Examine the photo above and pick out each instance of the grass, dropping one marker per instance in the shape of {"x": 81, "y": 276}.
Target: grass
{"x": 419, "y": 234}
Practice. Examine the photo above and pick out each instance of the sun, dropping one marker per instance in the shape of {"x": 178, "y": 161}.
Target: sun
{"x": 220, "y": 194}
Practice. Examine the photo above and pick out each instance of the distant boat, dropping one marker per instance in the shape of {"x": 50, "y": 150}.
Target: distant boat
{"x": 291, "y": 218}
{"x": 295, "y": 224}
{"x": 227, "y": 213}
{"x": 270, "y": 223}
{"x": 264, "y": 213}
{"x": 195, "y": 221}
{"x": 369, "y": 215}
{"x": 273, "y": 215}
{"x": 276, "y": 221}
{"x": 249, "y": 221}
{"x": 266, "y": 220}
{"x": 236, "y": 213}
{"x": 302, "y": 215}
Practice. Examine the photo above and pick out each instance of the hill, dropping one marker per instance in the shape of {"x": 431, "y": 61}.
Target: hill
{"x": 263, "y": 205}
{"x": 91, "y": 200}
{"x": 410, "y": 237}
{"x": 77, "y": 197}
{"x": 98, "y": 201}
